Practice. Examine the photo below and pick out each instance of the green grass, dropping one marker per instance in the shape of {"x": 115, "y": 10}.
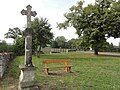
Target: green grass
{"x": 90, "y": 72}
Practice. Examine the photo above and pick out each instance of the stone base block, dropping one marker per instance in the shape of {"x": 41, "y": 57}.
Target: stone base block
{"x": 27, "y": 78}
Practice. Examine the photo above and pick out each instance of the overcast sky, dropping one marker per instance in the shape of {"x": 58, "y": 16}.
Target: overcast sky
{"x": 53, "y": 10}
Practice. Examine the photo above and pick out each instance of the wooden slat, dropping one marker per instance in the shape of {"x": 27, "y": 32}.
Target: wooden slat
{"x": 55, "y": 61}
{"x": 59, "y": 66}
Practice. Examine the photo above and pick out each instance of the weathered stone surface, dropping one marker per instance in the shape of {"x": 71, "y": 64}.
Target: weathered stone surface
{"x": 27, "y": 78}
{"x": 28, "y": 42}
{"x": 27, "y": 32}
{"x": 4, "y": 62}
{"x": 29, "y": 13}
{"x": 28, "y": 58}
{"x": 28, "y": 51}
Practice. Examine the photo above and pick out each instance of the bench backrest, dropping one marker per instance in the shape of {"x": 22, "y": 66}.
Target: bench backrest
{"x": 55, "y": 61}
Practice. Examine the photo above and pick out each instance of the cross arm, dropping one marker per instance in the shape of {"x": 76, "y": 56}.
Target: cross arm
{"x": 24, "y": 12}
{"x": 33, "y": 13}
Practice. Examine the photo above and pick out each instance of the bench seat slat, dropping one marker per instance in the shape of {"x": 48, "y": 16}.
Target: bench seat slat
{"x": 58, "y": 67}
{"x": 54, "y": 61}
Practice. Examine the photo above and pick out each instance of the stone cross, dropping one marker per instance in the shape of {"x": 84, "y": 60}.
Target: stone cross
{"x": 29, "y": 13}
{"x": 28, "y": 35}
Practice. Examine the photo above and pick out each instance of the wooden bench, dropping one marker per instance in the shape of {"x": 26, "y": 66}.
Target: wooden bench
{"x": 66, "y": 65}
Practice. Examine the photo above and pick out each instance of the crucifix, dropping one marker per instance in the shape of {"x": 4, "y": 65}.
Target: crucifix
{"x": 28, "y": 35}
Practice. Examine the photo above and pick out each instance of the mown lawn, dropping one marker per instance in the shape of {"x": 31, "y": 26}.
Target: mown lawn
{"x": 90, "y": 72}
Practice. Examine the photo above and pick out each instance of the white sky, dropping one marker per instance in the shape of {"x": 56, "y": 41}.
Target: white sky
{"x": 53, "y": 10}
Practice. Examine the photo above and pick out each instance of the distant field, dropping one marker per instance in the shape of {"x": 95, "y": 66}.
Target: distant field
{"x": 90, "y": 72}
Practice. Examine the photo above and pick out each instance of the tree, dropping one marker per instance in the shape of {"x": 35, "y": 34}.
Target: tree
{"x": 42, "y": 34}
{"x": 13, "y": 33}
{"x": 54, "y": 44}
{"x": 71, "y": 44}
{"x": 61, "y": 42}
{"x": 3, "y": 46}
{"x": 91, "y": 23}
{"x": 74, "y": 43}
{"x": 111, "y": 47}
{"x": 78, "y": 44}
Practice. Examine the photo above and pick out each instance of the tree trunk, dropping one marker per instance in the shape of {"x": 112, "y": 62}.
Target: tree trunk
{"x": 38, "y": 51}
{"x": 96, "y": 51}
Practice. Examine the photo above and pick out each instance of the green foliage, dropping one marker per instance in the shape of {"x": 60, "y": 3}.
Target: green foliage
{"x": 54, "y": 44}
{"x": 13, "y": 33}
{"x": 78, "y": 44}
{"x": 60, "y": 41}
{"x": 42, "y": 34}
{"x": 71, "y": 43}
{"x": 3, "y": 46}
{"x": 113, "y": 21}
{"x": 19, "y": 46}
{"x": 94, "y": 23}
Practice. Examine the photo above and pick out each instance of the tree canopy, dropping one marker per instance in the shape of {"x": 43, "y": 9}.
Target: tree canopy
{"x": 42, "y": 34}
{"x": 13, "y": 33}
{"x": 59, "y": 42}
{"x": 94, "y": 23}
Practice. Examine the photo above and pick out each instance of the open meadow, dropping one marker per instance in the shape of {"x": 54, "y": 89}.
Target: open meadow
{"x": 90, "y": 72}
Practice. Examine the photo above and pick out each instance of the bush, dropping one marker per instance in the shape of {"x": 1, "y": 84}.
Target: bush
{"x": 19, "y": 47}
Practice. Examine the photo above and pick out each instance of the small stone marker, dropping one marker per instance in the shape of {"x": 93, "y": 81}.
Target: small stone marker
{"x": 27, "y": 77}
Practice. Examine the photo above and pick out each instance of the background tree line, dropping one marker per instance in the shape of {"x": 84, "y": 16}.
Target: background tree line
{"x": 62, "y": 42}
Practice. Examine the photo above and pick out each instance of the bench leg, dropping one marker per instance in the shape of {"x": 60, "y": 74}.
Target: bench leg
{"x": 46, "y": 70}
{"x": 68, "y": 69}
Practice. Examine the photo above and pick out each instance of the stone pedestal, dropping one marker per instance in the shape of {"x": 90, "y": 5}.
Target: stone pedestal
{"x": 27, "y": 78}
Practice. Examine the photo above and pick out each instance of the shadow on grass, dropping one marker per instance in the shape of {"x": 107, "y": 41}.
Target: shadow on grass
{"x": 57, "y": 73}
